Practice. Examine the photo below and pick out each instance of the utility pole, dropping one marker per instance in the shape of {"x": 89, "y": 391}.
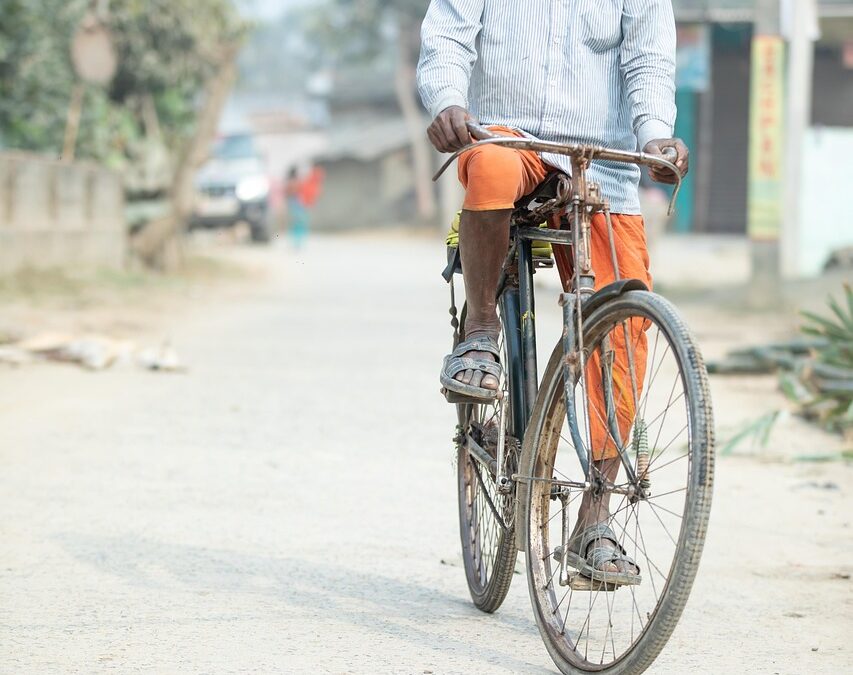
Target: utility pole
{"x": 802, "y": 30}
{"x": 766, "y": 142}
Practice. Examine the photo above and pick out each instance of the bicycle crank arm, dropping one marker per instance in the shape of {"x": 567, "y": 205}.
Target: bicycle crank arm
{"x": 479, "y": 453}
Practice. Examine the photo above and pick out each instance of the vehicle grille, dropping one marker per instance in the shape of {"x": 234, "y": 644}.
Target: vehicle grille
{"x": 217, "y": 190}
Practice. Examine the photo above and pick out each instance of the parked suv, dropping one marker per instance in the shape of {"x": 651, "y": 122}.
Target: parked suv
{"x": 233, "y": 186}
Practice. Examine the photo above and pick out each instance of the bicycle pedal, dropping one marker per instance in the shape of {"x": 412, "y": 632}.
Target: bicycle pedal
{"x": 454, "y": 397}
{"x": 578, "y": 582}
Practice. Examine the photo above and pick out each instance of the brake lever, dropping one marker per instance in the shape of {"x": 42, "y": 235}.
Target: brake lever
{"x": 478, "y": 131}
{"x": 670, "y": 154}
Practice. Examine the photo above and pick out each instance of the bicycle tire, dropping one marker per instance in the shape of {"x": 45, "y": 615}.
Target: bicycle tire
{"x": 488, "y": 555}
{"x": 538, "y": 461}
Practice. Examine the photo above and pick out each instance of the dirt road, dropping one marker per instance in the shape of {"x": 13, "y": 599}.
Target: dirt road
{"x": 289, "y": 504}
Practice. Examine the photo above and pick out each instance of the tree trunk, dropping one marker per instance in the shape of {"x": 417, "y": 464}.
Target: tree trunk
{"x": 157, "y": 242}
{"x": 422, "y": 163}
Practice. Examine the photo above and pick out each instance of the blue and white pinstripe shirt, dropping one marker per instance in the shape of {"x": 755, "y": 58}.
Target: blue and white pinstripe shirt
{"x": 596, "y": 71}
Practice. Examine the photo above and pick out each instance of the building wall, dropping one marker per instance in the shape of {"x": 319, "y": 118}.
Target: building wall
{"x": 826, "y": 212}
{"x": 55, "y": 215}
{"x": 364, "y": 194}
{"x": 350, "y": 195}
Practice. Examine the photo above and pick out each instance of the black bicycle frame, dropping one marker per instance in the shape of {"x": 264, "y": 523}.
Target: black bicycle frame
{"x": 518, "y": 308}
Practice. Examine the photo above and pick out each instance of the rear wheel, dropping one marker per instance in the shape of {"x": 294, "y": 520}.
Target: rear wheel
{"x": 486, "y": 512}
{"x": 662, "y": 418}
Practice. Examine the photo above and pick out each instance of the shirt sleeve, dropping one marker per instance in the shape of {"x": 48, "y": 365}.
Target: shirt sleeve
{"x": 448, "y": 52}
{"x": 648, "y": 67}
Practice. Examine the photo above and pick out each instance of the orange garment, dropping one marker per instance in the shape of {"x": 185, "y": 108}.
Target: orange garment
{"x": 495, "y": 178}
{"x": 632, "y": 254}
{"x": 311, "y": 185}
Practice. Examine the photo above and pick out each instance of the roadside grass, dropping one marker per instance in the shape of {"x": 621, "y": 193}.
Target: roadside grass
{"x": 80, "y": 288}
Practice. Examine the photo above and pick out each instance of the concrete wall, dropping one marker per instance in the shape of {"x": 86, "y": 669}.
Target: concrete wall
{"x": 826, "y": 207}
{"x": 358, "y": 194}
{"x": 59, "y": 215}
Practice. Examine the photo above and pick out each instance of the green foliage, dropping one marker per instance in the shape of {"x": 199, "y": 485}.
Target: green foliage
{"x": 757, "y": 432}
{"x": 35, "y": 71}
{"x": 824, "y": 383}
{"x": 166, "y": 49}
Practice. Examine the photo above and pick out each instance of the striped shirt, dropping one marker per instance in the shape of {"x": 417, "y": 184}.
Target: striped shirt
{"x": 594, "y": 71}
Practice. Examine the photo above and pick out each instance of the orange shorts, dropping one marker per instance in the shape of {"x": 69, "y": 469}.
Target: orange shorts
{"x": 496, "y": 178}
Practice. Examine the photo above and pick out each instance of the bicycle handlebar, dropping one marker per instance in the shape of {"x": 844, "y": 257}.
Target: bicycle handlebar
{"x": 575, "y": 150}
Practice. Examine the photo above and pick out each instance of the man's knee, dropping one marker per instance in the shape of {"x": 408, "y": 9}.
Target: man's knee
{"x": 493, "y": 178}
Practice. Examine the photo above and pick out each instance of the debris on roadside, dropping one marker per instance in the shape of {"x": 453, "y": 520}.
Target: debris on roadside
{"x": 815, "y": 372}
{"x": 93, "y": 352}
{"x": 9, "y": 334}
{"x": 90, "y": 351}
{"x": 164, "y": 358}
{"x": 14, "y": 356}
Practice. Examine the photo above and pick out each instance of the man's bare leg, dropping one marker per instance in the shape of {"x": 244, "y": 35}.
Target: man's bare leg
{"x": 597, "y": 510}
{"x": 483, "y": 245}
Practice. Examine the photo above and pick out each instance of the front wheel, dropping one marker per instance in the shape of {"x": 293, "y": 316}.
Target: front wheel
{"x": 644, "y": 390}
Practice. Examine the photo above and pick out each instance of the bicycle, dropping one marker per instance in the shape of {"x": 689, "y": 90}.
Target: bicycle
{"x": 520, "y": 476}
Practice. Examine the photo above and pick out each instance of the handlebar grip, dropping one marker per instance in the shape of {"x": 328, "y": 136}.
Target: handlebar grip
{"x": 478, "y": 131}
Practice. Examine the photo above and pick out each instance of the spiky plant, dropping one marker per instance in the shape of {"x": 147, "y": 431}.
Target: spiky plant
{"x": 828, "y": 375}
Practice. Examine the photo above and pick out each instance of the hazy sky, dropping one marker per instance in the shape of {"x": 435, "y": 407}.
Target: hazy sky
{"x": 268, "y": 9}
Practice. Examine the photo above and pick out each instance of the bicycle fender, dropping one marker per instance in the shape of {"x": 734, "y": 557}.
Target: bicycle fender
{"x": 611, "y": 292}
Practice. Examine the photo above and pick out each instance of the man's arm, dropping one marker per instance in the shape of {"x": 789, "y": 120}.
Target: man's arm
{"x": 648, "y": 68}
{"x": 448, "y": 53}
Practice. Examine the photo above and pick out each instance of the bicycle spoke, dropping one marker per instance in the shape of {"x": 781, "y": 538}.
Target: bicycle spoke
{"x": 663, "y": 508}
{"x": 558, "y": 512}
{"x": 568, "y": 607}
{"x": 666, "y": 464}
{"x": 666, "y": 411}
{"x": 667, "y": 446}
{"x": 671, "y": 492}
{"x": 665, "y": 528}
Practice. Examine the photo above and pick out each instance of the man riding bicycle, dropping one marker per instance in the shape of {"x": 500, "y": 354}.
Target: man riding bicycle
{"x": 592, "y": 71}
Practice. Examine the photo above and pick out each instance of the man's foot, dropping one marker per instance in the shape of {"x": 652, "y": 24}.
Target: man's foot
{"x": 608, "y": 555}
{"x": 475, "y": 360}
{"x": 479, "y": 378}
{"x": 594, "y": 521}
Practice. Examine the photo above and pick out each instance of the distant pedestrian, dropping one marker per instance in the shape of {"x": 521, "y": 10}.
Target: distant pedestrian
{"x": 302, "y": 195}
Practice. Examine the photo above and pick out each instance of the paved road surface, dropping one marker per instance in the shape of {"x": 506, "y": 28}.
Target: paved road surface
{"x": 289, "y": 505}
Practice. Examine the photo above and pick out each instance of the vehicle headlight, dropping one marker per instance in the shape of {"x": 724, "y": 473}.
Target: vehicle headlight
{"x": 252, "y": 188}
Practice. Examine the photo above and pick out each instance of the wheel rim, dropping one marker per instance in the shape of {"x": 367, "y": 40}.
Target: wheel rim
{"x": 594, "y": 629}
